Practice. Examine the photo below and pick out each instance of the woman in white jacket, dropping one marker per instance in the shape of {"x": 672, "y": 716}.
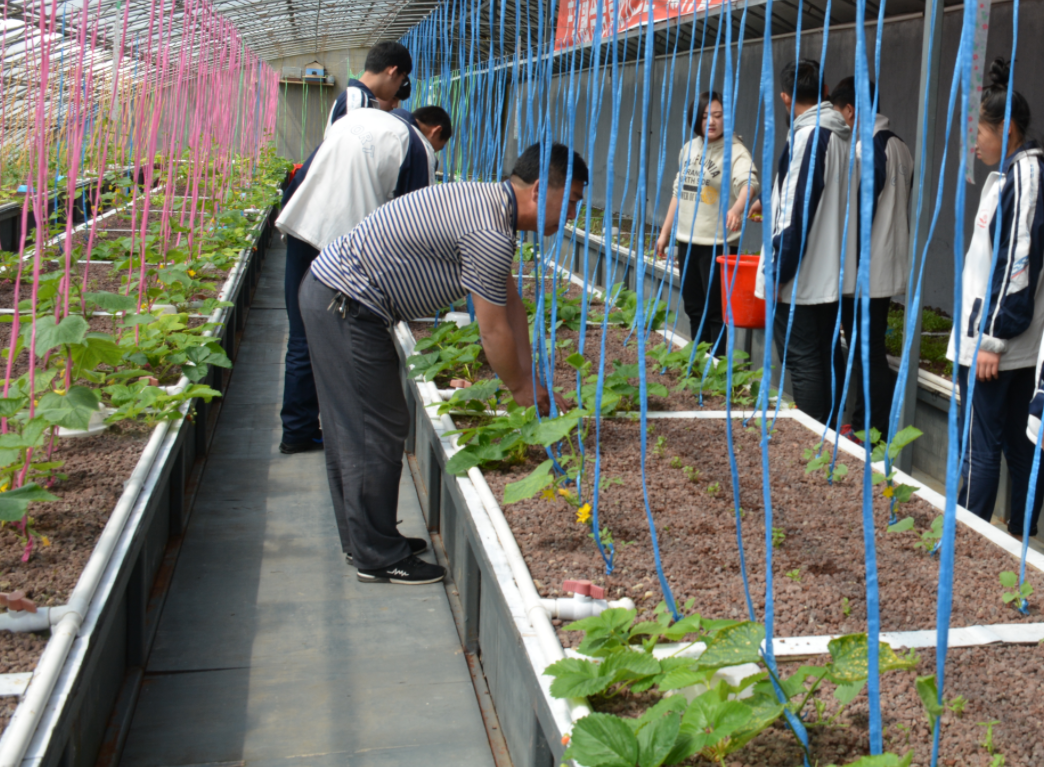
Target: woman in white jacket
{"x": 702, "y": 234}
{"x": 1008, "y": 306}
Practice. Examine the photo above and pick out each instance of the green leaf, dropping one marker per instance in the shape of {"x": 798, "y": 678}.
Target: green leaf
{"x": 602, "y": 740}
{"x": 10, "y": 406}
{"x": 764, "y": 710}
{"x": 656, "y": 739}
{"x": 73, "y": 410}
{"x": 882, "y": 760}
{"x": 631, "y": 662}
{"x": 577, "y": 678}
{"x": 846, "y": 693}
{"x": 740, "y": 643}
{"x": 531, "y": 485}
{"x": 903, "y": 438}
{"x": 928, "y": 692}
{"x": 576, "y": 360}
{"x": 710, "y": 720}
{"x": 112, "y": 302}
{"x": 902, "y": 525}
{"x": 690, "y": 624}
{"x": 49, "y": 335}
{"x": 903, "y": 493}
{"x": 461, "y": 461}
{"x": 686, "y": 676}
{"x": 481, "y": 390}
{"x": 550, "y": 430}
{"x": 13, "y": 503}
{"x": 851, "y": 653}
{"x": 1009, "y": 580}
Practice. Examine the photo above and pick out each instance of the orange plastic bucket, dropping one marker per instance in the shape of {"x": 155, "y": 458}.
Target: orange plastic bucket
{"x": 748, "y": 311}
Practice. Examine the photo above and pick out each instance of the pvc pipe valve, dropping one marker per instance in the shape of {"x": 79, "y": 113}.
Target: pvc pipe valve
{"x": 587, "y": 601}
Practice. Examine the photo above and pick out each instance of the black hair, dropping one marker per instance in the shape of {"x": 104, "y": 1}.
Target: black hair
{"x": 995, "y": 97}
{"x": 800, "y": 80}
{"x": 405, "y": 90}
{"x": 435, "y": 115}
{"x": 699, "y": 108}
{"x": 844, "y": 93}
{"x": 389, "y": 54}
{"x": 527, "y": 166}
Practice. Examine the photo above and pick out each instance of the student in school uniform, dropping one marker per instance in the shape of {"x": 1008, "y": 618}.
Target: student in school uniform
{"x": 698, "y": 202}
{"x": 1007, "y": 240}
{"x": 409, "y": 259}
{"x": 805, "y": 263}
{"x": 368, "y": 158}
{"x": 388, "y": 66}
{"x": 889, "y": 257}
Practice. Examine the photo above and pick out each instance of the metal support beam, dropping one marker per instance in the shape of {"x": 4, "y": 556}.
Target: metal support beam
{"x": 924, "y": 152}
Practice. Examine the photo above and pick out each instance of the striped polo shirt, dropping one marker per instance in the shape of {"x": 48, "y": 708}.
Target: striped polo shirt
{"x": 421, "y": 252}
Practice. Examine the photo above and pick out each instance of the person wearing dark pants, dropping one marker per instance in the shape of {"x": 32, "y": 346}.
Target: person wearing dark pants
{"x": 708, "y": 222}
{"x": 300, "y": 411}
{"x": 809, "y": 357}
{"x": 345, "y": 179}
{"x": 882, "y": 380}
{"x": 998, "y": 426}
{"x": 701, "y": 287}
{"x": 410, "y": 258}
{"x": 889, "y": 258}
{"x": 996, "y": 338}
{"x": 802, "y": 270}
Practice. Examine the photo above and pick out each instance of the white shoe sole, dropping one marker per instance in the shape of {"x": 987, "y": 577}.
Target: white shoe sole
{"x": 364, "y": 578}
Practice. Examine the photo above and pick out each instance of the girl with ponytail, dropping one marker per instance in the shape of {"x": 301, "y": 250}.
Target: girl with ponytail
{"x": 1003, "y": 296}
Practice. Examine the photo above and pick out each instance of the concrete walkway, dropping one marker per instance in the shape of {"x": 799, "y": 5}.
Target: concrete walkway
{"x": 269, "y": 651}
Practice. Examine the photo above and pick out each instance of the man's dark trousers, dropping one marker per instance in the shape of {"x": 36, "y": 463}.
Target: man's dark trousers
{"x": 881, "y": 382}
{"x": 1000, "y": 409}
{"x": 809, "y": 358}
{"x": 300, "y": 413}
{"x": 365, "y": 421}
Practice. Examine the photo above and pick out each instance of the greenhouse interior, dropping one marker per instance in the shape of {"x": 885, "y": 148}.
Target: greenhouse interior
{"x": 460, "y": 382}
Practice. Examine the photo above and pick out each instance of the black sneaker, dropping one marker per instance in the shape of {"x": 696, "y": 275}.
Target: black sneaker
{"x": 411, "y": 571}
{"x": 289, "y": 448}
{"x": 417, "y": 546}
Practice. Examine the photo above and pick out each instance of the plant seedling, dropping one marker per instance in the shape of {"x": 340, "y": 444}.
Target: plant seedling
{"x": 795, "y": 575}
{"x": 820, "y": 459}
{"x": 902, "y": 525}
{"x": 713, "y": 488}
{"x": 676, "y": 463}
{"x": 658, "y": 447}
{"x": 846, "y": 607}
{"x": 1010, "y": 581}
{"x": 987, "y": 742}
{"x": 778, "y": 536}
{"x": 931, "y": 536}
{"x": 693, "y": 475}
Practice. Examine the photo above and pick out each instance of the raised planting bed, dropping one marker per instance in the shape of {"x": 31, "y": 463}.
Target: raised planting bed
{"x": 505, "y": 558}
{"x": 106, "y": 546}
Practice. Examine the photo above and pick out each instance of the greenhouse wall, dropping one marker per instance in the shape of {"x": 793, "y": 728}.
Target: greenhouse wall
{"x": 303, "y": 109}
{"x": 900, "y": 72}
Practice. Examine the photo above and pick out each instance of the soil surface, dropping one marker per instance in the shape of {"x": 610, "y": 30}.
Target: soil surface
{"x": 615, "y": 349}
{"x": 817, "y": 563}
{"x": 71, "y": 525}
{"x": 983, "y": 675}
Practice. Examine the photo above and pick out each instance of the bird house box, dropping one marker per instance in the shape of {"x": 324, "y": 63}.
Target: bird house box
{"x": 315, "y": 71}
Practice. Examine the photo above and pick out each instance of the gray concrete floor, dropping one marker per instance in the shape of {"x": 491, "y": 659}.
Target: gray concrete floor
{"x": 269, "y": 652}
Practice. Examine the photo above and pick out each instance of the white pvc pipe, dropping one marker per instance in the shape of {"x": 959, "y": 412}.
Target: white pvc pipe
{"x": 535, "y": 612}
{"x": 578, "y": 606}
{"x": 27, "y": 715}
{"x": 20, "y": 621}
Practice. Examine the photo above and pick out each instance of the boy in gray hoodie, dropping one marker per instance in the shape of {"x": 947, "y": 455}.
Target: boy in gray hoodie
{"x": 809, "y": 201}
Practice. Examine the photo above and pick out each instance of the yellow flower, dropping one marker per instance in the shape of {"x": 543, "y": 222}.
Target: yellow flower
{"x": 563, "y": 492}
{"x": 4, "y": 485}
{"x": 191, "y": 273}
{"x": 888, "y": 492}
{"x": 45, "y": 540}
{"x": 583, "y": 514}
{"x": 59, "y": 392}
{"x": 548, "y": 493}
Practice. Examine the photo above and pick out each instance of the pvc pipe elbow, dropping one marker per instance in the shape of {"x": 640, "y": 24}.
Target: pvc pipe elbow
{"x": 22, "y": 621}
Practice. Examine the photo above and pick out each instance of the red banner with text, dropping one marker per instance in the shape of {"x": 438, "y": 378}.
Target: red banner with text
{"x": 578, "y": 19}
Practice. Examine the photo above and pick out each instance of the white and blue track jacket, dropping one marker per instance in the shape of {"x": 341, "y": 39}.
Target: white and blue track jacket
{"x": 1012, "y": 198}
{"x": 814, "y": 164}
{"x": 890, "y": 235}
